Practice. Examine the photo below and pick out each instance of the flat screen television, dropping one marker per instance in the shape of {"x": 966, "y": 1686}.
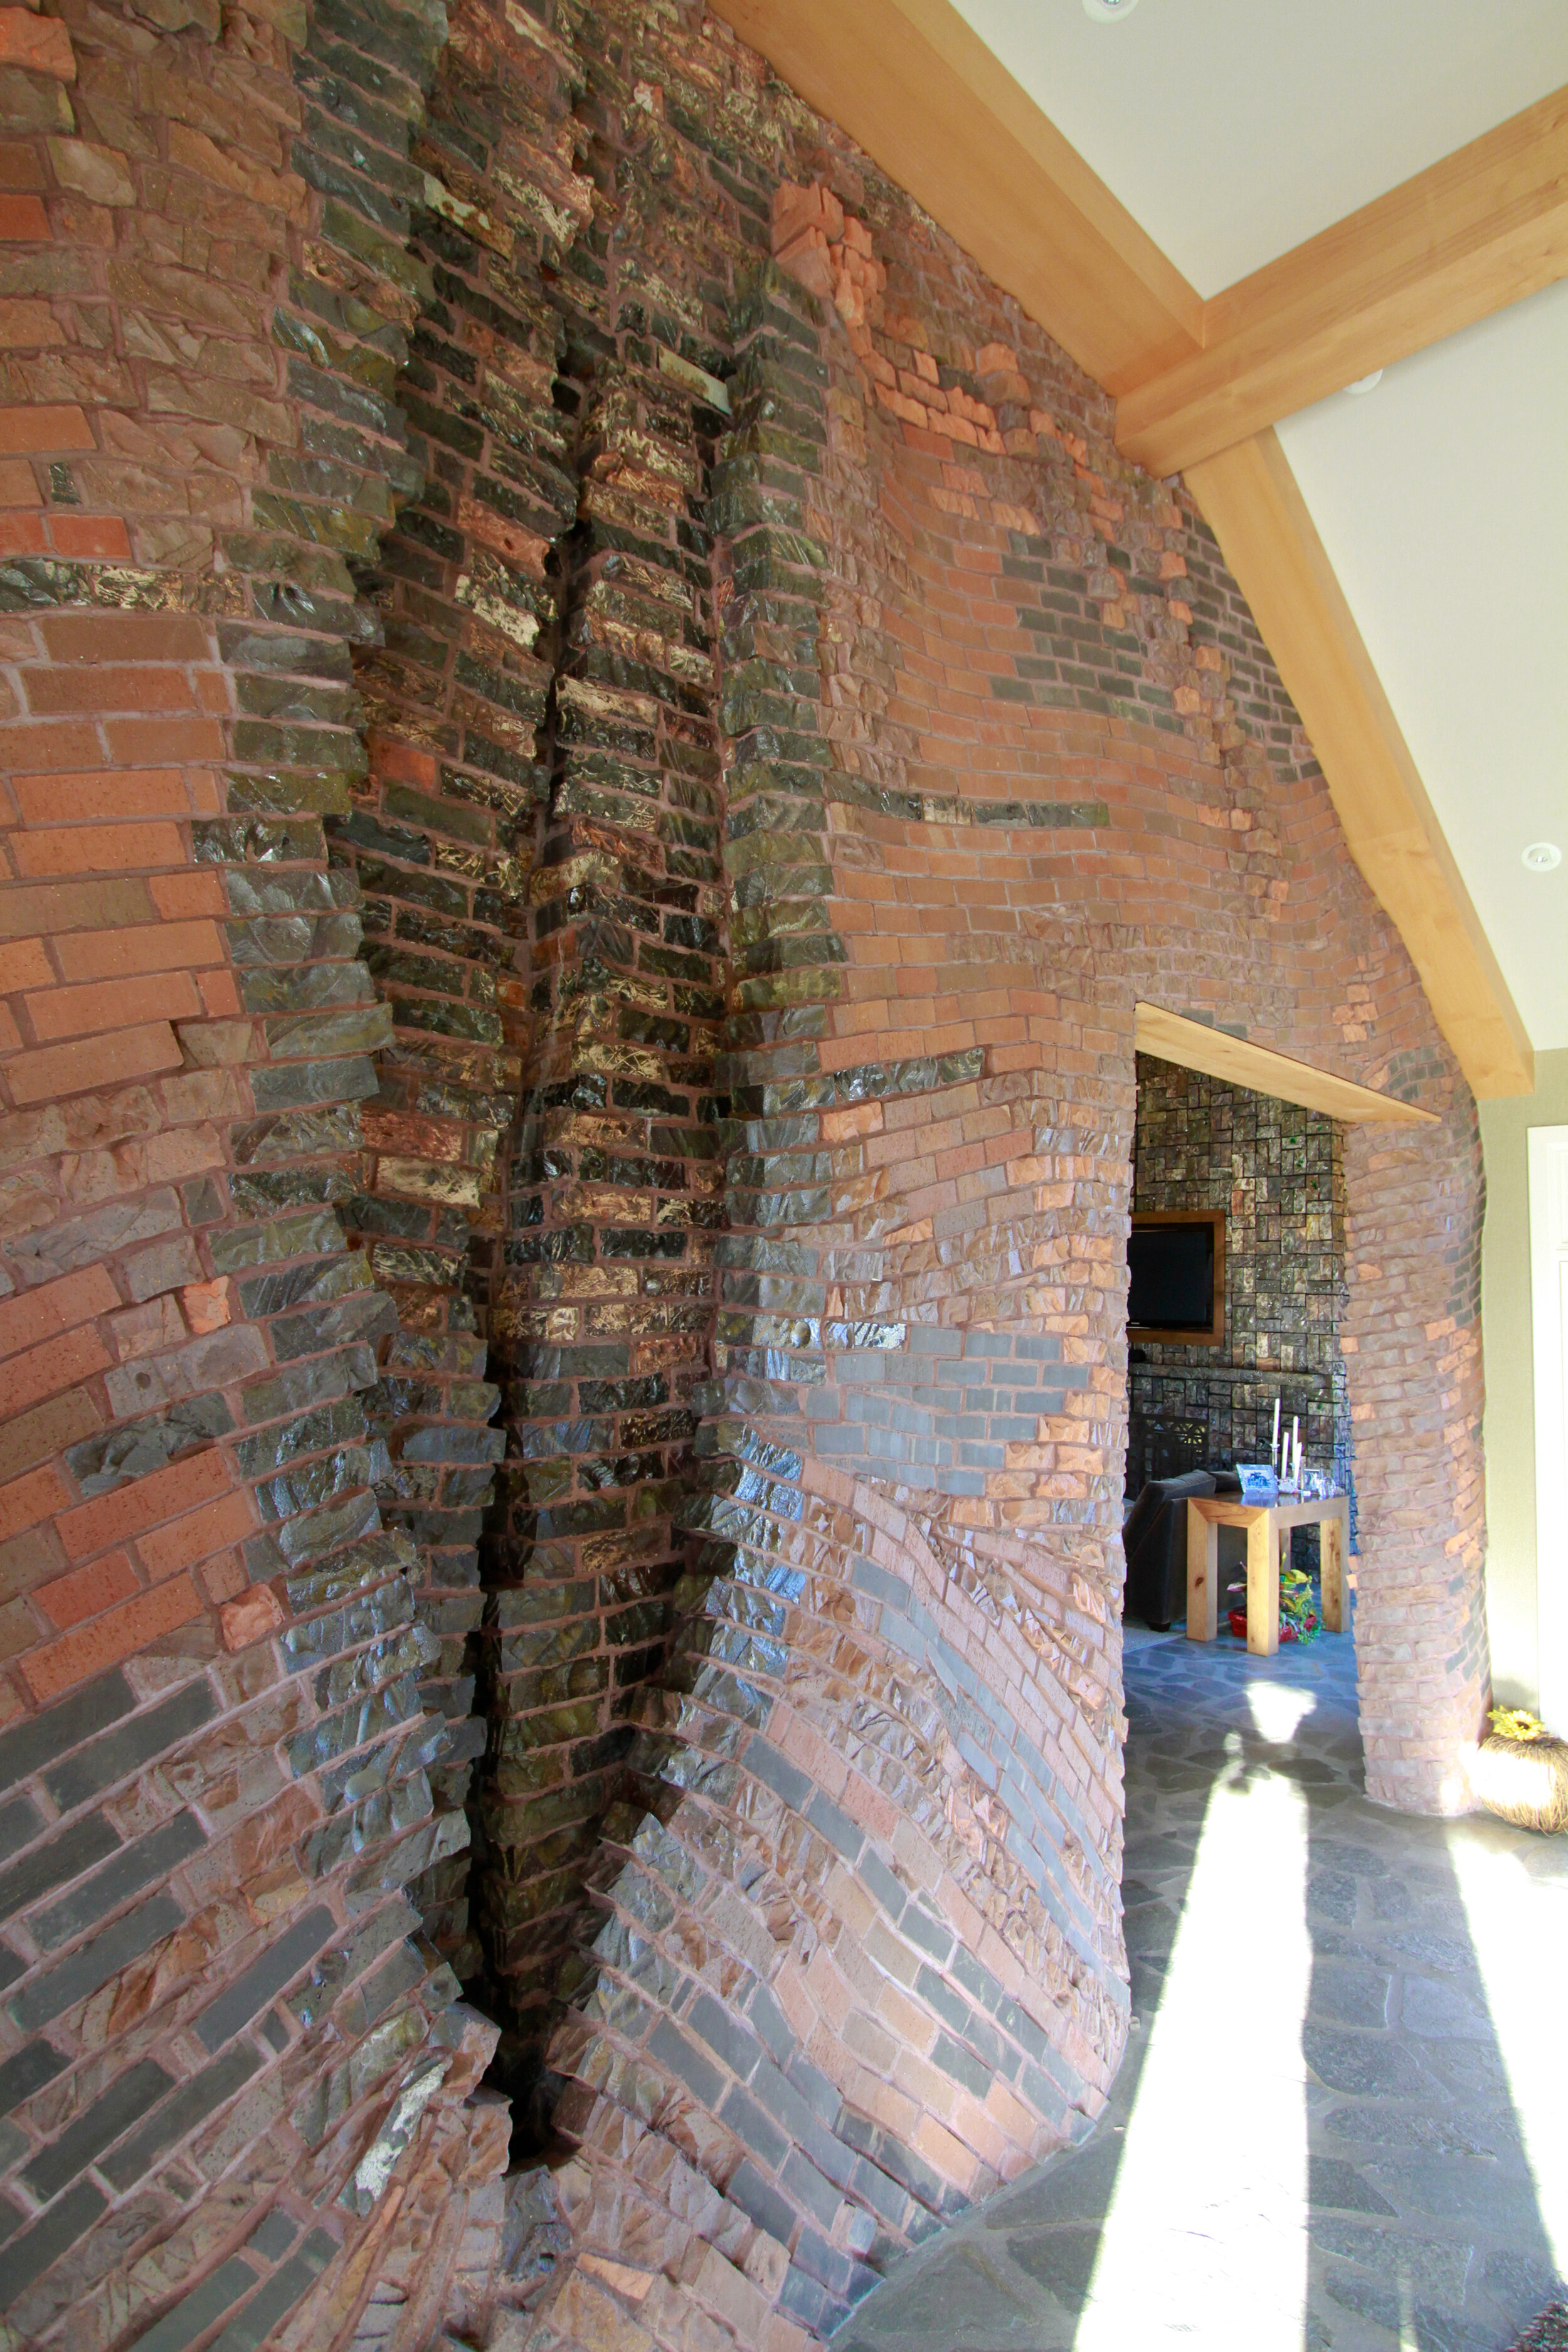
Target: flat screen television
{"x": 1176, "y": 1260}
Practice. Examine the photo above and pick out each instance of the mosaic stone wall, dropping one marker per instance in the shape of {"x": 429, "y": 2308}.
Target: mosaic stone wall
{"x": 598, "y": 748}
{"x": 1277, "y": 1172}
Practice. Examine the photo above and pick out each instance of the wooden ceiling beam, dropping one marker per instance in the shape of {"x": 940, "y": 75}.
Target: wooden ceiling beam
{"x": 928, "y": 101}
{"x": 1266, "y": 536}
{"x": 1243, "y": 1062}
{"x": 1480, "y": 229}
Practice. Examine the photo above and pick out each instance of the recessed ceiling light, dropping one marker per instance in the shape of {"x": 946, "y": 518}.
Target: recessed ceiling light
{"x": 1106, "y": 12}
{"x": 1366, "y": 383}
{"x": 1542, "y": 855}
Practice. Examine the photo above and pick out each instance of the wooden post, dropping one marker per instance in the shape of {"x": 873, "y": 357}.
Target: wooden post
{"x": 1334, "y": 1541}
{"x": 1263, "y": 1585}
{"x": 1203, "y": 1576}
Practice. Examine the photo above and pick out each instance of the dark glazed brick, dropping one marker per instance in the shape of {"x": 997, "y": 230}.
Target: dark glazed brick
{"x": 20, "y": 1822}
{"x": 835, "y": 1826}
{"x": 955, "y": 2059}
{"x": 51, "y": 1995}
{"x": 135, "y": 1867}
{"x": 28, "y": 2072}
{"x": 929, "y": 1934}
{"x": 784, "y": 1779}
{"x": 26, "y": 1747}
{"x": 57, "y": 1863}
{"x": 103, "y": 2123}
{"x": 265, "y": 1977}
{"x": 119, "y": 1753}
{"x": 810, "y": 2191}
{"x": 724, "y": 2036}
{"x": 262, "y": 2314}
{"x": 670, "y": 2048}
{"x": 761, "y": 2202}
{"x": 805, "y": 2300}
{"x": 273, "y": 2235}
{"x": 749, "y": 2124}
{"x": 28, "y": 2256}
{"x": 204, "y": 2305}
{"x": 194, "y": 2100}
{"x": 771, "y": 2022}
{"x": 886, "y": 1889}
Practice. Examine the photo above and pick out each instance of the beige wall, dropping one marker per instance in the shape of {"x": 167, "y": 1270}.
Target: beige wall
{"x": 1510, "y": 1427}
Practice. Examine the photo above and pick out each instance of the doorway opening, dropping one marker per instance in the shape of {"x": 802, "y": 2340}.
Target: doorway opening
{"x": 1237, "y": 1195}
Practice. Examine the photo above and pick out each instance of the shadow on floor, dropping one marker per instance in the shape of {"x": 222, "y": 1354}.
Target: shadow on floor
{"x": 1312, "y": 2141}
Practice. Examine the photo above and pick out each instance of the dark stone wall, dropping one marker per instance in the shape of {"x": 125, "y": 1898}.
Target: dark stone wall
{"x": 1276, "y": 1171}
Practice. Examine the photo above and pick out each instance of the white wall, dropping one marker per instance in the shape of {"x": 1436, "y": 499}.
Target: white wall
{"x": 1509, "y": 1426}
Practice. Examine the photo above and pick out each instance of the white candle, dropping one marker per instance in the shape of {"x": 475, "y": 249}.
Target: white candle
{"x": 1274, "y": 1448}
{"x": 1295, "y": 1448}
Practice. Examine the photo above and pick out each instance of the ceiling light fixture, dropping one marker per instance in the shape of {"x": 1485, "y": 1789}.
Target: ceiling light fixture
{"x": 1106, "y": 12}
{"x": 1541, "y": 856}
{"x": 1366, "y": 383}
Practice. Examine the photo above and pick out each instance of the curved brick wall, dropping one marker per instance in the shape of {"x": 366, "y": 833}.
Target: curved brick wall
{"x": 587, "y": 813}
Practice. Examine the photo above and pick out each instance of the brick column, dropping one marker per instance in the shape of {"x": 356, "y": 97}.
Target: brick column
{"x": 1413, "y": 1352}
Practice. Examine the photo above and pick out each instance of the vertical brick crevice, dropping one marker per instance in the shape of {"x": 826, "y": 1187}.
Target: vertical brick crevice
{"x": 599, "y": 1294}
{"x": 783, "y": 1828}
{"x": 440, "y": 834}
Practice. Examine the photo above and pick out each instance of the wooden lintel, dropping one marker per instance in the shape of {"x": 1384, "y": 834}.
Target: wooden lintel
{"x": 927, "y": 100}
{"x": 1478, "y": 230}
{"x": 1271, "y": 544}
{"x": 1241, "y": 1062}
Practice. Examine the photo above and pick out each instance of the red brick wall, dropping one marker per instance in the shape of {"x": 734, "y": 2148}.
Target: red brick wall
{"x": 585, "y": 818}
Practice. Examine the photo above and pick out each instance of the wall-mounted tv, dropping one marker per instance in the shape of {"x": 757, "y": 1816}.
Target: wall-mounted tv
{"x": 1176, "y": 1260}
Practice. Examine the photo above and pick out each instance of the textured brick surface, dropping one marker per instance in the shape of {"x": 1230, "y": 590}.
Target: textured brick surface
{"x": 215, "y": 1991}
{"x": 586, "y": 810}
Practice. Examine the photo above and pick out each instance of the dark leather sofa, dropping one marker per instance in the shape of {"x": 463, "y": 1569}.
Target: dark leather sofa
{"x": 1154, "y": 1537}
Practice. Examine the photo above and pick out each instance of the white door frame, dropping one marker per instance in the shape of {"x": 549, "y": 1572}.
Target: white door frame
{"x": 1549, "y": 1319}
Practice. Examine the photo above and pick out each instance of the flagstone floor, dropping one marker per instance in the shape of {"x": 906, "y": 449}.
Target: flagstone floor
{"x": 1342, "y": 2120}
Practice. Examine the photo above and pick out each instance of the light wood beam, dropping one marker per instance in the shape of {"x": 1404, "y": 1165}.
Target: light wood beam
{"x": 1268, "y": 540}
{"x": 927, "y": 100}
{"x": 1477, "y": 231}
{"x": 1241, "y": 1062}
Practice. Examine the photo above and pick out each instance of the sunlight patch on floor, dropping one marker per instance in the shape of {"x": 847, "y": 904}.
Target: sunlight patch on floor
{"x": 1277, "y": 1711}
{"x": 1519, "y": 1958}
{"x": 1211, "y": 2194}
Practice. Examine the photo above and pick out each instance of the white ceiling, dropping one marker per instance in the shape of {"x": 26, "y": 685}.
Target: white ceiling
{"x": 1232, "y": 130}
{"x": 1442, "y": 500}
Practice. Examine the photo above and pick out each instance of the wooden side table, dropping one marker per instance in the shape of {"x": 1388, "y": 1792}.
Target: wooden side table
{"x": 1268, "y": 1526}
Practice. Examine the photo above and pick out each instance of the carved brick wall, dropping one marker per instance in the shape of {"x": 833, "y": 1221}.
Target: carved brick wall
{"x": 586, "y": 810}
